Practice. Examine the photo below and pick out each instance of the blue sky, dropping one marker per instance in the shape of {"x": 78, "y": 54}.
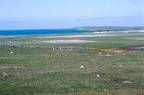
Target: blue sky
{"x": 48, "y": 14}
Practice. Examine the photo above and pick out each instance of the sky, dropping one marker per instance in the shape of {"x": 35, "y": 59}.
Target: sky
{"x": 55, "y": 14}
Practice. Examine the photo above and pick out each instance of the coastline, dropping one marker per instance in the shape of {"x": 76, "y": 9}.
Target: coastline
{"x": 101, "y": 40}
{"x": 51, "y": 33}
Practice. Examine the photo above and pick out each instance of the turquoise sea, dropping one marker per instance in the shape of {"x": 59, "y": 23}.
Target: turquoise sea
{"x": 39, "y": 32}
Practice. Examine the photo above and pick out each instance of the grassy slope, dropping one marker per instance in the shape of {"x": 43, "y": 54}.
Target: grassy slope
{"x": 42, "y": 71}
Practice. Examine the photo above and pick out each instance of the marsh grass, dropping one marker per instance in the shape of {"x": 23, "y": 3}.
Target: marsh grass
{"x": 42, "y": 71}
{"x": 55, "y": 72}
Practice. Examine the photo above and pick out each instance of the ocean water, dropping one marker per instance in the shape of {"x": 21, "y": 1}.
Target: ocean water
{"x": 39, "y": 32}
{"x": 42, "y": 32}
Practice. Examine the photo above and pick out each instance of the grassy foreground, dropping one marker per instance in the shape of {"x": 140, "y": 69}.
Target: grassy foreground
{"x": 58, "y": 72}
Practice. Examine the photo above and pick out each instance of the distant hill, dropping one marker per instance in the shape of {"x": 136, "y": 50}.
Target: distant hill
{"x": 110, "y": 28}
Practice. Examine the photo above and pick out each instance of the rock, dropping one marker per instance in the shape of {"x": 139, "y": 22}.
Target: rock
{"x": 11, "y": 52}
{"x": 120, "y": 66}
{"x": 98, "y": 75}
{"x": 5, "y": 74}
{"x": 100, "y": 54}
{"x": 108, "y": 55}
{"x": 127, "y": 82}
{"x": 82, "y": 67}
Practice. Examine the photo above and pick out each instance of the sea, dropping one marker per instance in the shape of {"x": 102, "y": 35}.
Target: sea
{"x": 40, "y": 32}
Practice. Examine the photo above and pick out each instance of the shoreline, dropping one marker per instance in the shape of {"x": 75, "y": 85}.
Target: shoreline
{"x": 80, "y": 35}
{"x": 71, "y": 33}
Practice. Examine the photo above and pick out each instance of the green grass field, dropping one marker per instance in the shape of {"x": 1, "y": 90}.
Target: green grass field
{"x": 58, "y": 72}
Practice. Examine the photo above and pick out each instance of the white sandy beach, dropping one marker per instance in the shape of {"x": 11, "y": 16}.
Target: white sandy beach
{"x": 78, "y": 36}
{"x": 74, "y": 41}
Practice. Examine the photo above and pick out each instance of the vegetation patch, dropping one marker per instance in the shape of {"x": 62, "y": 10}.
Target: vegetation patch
{"x": 43, "y": 71}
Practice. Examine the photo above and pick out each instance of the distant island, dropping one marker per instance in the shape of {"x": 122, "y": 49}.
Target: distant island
{"x": 95, "y": 28}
